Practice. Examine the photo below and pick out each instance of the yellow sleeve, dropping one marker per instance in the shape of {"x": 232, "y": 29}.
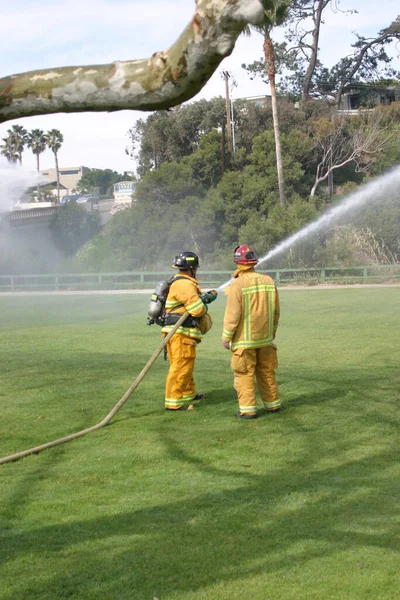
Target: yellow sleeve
{"x": 233, "y": 312}
{"x": 188, "y": 294}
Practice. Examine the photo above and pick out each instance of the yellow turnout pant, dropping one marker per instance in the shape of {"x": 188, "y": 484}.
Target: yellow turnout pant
{"x": 180, "y": 386}
{"x": 261, "y": 363}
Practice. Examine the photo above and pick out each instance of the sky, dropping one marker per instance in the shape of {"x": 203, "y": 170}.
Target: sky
{"x": 40, "y": 34}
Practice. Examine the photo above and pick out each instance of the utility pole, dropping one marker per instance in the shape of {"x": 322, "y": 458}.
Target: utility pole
{"x": 226, "y": 75}
{"x": 233, "y": 128}
{"x": 223, "y": 149}
{"x": 233, "y": 85}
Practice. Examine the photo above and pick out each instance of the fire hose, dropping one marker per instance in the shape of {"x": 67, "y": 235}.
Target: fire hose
{"x": 107, "y": 419}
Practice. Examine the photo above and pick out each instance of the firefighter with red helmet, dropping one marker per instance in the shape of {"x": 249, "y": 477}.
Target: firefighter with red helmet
{"x": 250, "y": 323}
{"x": 184, "y": 295}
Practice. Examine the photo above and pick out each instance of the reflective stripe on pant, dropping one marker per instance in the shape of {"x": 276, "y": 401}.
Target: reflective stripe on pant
{"x": 180, "y": 385}
{"x": 261, "y": 363}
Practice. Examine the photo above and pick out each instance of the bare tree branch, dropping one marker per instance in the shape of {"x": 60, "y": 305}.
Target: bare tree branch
{"x": 166, "y": 79}
{"x": 340, "y": 142}
{"x": 318, "y": 8}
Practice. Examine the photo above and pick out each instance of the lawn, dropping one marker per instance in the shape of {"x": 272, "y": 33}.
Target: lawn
{"x": 299, "y": 505}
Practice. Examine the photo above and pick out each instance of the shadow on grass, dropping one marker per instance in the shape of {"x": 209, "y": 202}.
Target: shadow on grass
{"x": 324, "y": 500}
{"x": 279, "y": 519}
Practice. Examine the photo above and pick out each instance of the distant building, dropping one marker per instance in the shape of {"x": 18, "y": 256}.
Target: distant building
{"x": 368, "y": 95}
{"x": 260, "y": 101}
{"x": 69, "y": 177}
{"x": 47, "y": 196}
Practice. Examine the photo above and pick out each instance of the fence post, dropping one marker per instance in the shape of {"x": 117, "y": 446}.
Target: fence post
{"x": 57, "y": 283}
{"x": 278, "y": 277}
{"x": 365, "y": 273}
{"x": 323, "y": 275}
{"x": 141, "y": 277}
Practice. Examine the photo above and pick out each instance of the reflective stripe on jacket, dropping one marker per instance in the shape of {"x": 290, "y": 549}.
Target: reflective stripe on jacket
{"x": 252, "y": 310}
{"x": 184, "y": 295}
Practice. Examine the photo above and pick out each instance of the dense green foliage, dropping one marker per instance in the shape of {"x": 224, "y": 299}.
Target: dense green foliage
{"x": 198, "y": 195}
{"x": 171, "y": 135}
{"x": 72, "y": 226}
{"x": 299, "y": 505}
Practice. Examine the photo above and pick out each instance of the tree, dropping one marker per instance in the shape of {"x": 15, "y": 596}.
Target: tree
{"x": 366, "y": 61}
{"x": 265, "y": 232}
{"x": 54, "y": 139}
{"x": 14, "y": 143}
{"x": 8, "y": 150}
{"x": 37, "y": 143}
{"x": 305, "y": 76}
{"x": 340, "y": 141}
{"x": 300, "y": 11}
{"x": 275, "y": 13}
{"x": 100, "y": 181}
{"x": 207, "y": 161}
{"x": 167, "y": 186}
{"x": 19, "y": 136}
{"x": 166, "y": 79}
{"x": 297, "y": 58}
{"x": 167, "y": 136}
{"x": 296, "y": 147}
{"x": 72, "y": 226}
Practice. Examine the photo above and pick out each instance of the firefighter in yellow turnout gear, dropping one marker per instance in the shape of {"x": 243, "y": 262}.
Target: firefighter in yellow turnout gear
{"x": 250, "y": 324}
{"x": 184, "y": 295}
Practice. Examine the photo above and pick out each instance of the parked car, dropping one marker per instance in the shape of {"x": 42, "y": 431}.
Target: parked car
{"x": 87, "y": 198}
{"x": 69, "y": 198}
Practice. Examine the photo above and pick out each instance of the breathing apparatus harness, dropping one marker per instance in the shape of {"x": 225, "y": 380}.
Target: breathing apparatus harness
{"x": 157, "y": 313}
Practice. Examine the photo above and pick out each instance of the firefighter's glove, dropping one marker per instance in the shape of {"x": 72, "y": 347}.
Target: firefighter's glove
{"x": 210, "y": 296}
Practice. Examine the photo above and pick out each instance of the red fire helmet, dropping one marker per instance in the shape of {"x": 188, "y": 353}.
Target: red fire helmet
{"x": 244, "y": 255}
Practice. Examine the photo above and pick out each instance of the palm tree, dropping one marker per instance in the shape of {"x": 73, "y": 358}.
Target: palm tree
{"x": 14, "y": 143}
{"x": 8, "y": 150}
{"x": 19, "y": 137}
{"x": 54, "y": 140}
{"x": 37, "y": 143}
{"x": 275, "y": 13}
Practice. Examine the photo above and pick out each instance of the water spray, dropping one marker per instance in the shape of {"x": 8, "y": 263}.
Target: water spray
{"x": 369, "y": 192}
{"x": 14, "y": 181}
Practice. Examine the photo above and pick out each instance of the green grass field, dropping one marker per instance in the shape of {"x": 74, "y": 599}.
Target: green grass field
{"x": 299, "y": 505}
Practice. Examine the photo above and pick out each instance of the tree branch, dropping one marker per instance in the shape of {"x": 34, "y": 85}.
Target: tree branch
{"x": 361, "y": 144}
{"x": 317, "y": 17}
{"x": 166, "y": 79}
{"x": 357, "y": 59}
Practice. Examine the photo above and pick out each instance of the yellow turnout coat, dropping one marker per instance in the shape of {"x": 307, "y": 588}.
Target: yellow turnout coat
{"x": 252, "y": 310}
{"x": 184, "y": 294}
